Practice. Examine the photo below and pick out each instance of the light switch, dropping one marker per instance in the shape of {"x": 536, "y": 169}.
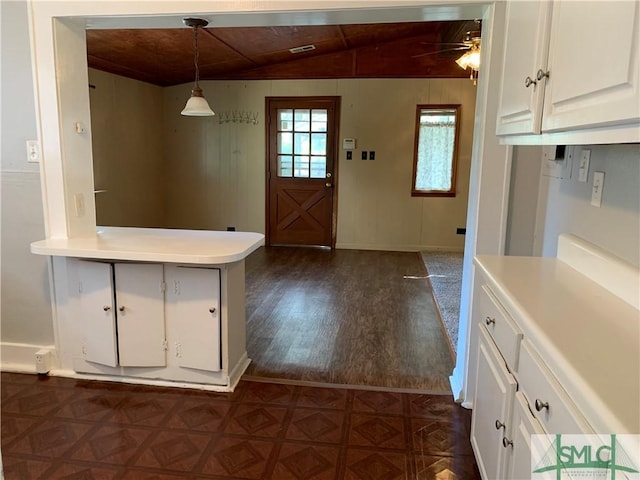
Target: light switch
{"x": 79, "y": 204}
{"x": 583, "y": 172}
{"x": 33, "y": 151}
{"x": 596, "y": 192}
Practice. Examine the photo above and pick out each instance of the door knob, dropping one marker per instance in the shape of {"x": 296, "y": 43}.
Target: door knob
{"x": 529, "y": 81}
{"x": 212, "y": 310}
{"x": 328, "y": 174}
{"x": 121, "y": 309}
{"x": 328, "y": 184}
{"x": 106, "y": 308}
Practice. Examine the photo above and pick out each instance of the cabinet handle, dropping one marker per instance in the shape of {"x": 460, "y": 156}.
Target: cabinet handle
{"x": 540, "y": 405}
{"x": 506, "y": 442}
{"x": 490, "y": 321}
{"x": 106, "y": 308}
{"x": 212, "y": 310}
{"x": 542, "y": 74}
{"x": 121, "y": 309}
{"x": 529, "y": 81}
{"x": 499, "y": 425}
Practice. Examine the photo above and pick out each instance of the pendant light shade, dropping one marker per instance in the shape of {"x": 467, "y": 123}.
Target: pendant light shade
{"x": 197, "y": 105}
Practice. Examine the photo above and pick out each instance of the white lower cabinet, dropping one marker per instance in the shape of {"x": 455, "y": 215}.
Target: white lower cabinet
{"x": 132, "y": 313}
{"x": 516, "y": 395}
{"x": 140, "y": 314}
{"x": 491, "y": 420}
{"x": 97, "y": 313}
{"x": 123, "y": 313}
{"x": 518, "y": 451}
{"x": 193, "y": 316}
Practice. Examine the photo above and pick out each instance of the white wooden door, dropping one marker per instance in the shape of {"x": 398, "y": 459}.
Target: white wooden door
{"x": 194, "y": 294}
{"x": 519, "y": 454}
{"x": 525, "y": 52}
{"x": 140, "y": 314}
{"x": 594, "y": 75}
{"x": 95, "y": 288}
{"x": 495, "y": 391}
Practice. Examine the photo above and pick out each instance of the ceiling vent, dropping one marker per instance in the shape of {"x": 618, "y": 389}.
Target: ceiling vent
{"x": 304, "y": 48}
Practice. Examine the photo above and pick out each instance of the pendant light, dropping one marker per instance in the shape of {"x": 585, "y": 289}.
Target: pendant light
{"x": 197, "y": 105}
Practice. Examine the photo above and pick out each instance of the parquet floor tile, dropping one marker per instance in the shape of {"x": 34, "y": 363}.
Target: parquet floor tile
{"x": 261, "y": 431}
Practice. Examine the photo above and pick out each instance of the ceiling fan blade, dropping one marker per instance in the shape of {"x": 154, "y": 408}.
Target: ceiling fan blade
{"x": 461, "y": 44}
{"x": 439, "y": 51}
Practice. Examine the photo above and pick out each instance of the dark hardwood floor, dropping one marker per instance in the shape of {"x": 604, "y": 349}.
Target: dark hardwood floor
{"x": 344, "y": 317}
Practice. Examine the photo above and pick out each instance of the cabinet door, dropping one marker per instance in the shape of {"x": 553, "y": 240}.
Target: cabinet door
{"x": 525, "y": 52}
{"x": 495, "y": 391}
{"x": 593, "y": 65}
{"x": 519, "y": 452}
{"x": 95, "y": 287}
{"x": 194, "y": 294}
{"x": 140, "y": 303}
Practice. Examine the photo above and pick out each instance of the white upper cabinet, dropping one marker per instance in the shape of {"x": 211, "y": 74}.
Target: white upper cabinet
{"x": 571, "y": 68}
{"x": 593, "y": 65}
{"x": 140, "y": 304}
{"x": 97, "y": 313}
{"x": 525, "y": 52}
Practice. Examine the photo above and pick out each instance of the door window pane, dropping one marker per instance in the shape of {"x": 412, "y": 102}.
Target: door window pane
{"x": 318, "y": 143}
{"x": 318, "y": 167}
{"x": 318, "y": 120}
{"x": 301, "y": 143}
{"x": 285, "y": 120}
{"x": 301, "y": 166}
{"x": 302, "y": 120}
{"x": 285, "y": 166}
{"x": 285, "y": 143}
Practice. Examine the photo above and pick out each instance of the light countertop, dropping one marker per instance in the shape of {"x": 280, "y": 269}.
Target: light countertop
{"x": 155, "y": 245}
{"x": 589, "y": 337}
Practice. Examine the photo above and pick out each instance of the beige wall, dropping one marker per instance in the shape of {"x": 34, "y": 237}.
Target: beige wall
{"x": 128, "y": 151}
{"x": 215, "y": 172}
{"x": 26, "y": 308}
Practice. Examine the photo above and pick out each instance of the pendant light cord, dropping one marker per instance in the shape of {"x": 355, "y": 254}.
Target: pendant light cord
{"x": 197, "y": 53}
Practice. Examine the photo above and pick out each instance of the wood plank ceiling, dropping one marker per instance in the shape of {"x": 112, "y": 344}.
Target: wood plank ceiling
{"x": 393, "y": 50}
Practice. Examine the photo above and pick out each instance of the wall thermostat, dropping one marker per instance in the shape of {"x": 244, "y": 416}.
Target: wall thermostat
{"x": 348, "y": 143}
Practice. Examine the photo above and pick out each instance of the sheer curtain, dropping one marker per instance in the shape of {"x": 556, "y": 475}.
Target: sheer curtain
{"x": 435, "y": 151}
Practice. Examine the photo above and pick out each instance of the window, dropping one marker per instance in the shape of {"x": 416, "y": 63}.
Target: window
{"x": 302, "y": 143}
{"x": 436, "y": 150}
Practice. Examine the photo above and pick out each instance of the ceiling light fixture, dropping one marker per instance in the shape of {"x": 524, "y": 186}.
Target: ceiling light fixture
{"x": 197, "y": 105}
{"x": 471, "y": 58}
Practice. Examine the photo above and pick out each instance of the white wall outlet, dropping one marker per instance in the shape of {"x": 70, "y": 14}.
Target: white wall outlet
{"x": 78, "y": 200}
{"x": 583, "y": 171}
{"x": 596, "y": 192}
{"x": 556, "y": 161}
{"x": 33, "y": 151}
{"x": 43, "y": 361}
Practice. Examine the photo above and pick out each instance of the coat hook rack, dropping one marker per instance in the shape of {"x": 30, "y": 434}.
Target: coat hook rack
{"x": 238, "y": 116}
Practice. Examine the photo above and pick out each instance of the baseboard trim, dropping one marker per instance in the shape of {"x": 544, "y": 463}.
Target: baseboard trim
{"x": 398, "y": 248}
{"x": 20, "y": 357}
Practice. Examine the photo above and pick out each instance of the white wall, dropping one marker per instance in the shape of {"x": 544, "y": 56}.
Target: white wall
{"x": 526, "y": 164}
{"x": 128, "y": 151}
{"x": 26, "y": 308}
{"x": 216, "y": 172}
{"x": 615, "y": 226}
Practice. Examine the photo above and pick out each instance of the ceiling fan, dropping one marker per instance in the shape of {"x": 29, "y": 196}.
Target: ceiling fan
{"x": 471, "y": 40}
{"x": 470, "y": 44}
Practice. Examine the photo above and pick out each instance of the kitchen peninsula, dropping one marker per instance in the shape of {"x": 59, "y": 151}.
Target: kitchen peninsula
{"x": 153, "y": 306}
